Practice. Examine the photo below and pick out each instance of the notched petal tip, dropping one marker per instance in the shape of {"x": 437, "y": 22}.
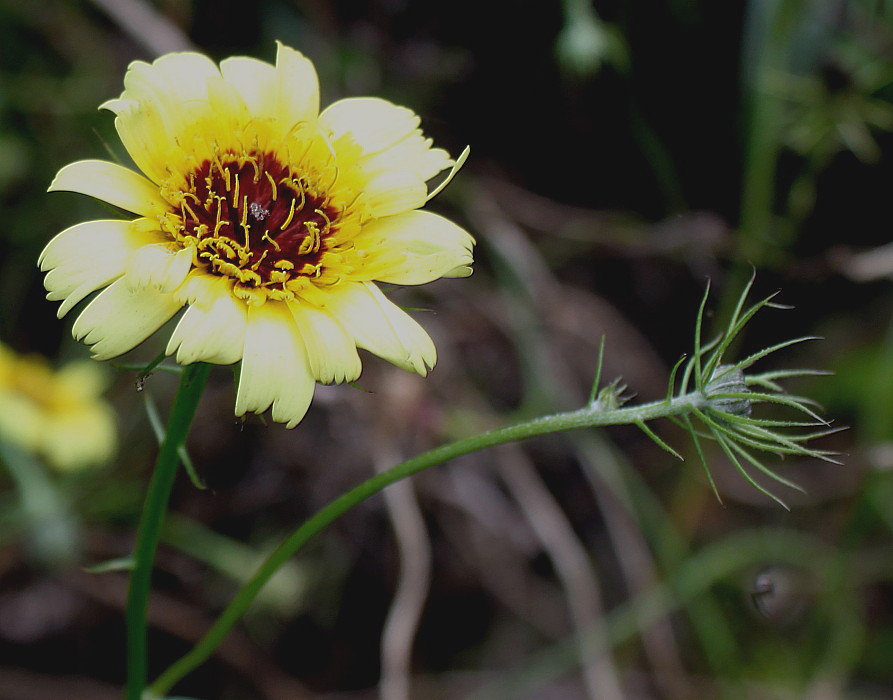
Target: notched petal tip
{"x": 373, "y": 123}
{"x": 275, "y": 369}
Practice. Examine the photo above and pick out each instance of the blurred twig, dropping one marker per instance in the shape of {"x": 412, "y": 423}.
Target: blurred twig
{"x": 18, "y": 684}
{"x": 494, "y": 540}
{"x": 546, "y": 370}
{"x": 578, "y": 578}
{"x": 146, "y": 26}
{"x": 413, "y": 544}
{"x": 412, "y": 590}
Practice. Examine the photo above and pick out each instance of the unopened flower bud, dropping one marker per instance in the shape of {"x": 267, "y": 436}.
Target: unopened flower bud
{"x": 726, "y": 380}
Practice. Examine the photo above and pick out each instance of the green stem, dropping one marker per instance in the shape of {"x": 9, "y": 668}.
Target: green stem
{"x": 593, "y": 415}
{"x": 192, "y": 382}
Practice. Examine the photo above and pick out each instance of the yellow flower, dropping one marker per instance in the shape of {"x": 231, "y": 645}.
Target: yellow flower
{"x": 57, "y": 415}
{"x": 270, "y": 220}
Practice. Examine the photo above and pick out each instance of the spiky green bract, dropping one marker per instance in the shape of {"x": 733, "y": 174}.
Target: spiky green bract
{"x": 730, "y": 394}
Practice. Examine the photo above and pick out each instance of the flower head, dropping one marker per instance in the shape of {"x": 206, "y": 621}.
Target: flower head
{"x": 270, "y": 220}
{"x": 58, "y": 415}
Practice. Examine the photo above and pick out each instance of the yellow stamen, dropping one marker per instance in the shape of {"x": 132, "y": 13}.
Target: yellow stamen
{"x": 291, "y": 213}
{"x": 216, "y": 158}
{"x": 334, "y": 179}
{"x": 296, "y": 185}
{"x": 244, "y": 221}
{"x": 273, "y": 185}
{"x": 311, "y": 241}
{"x": 323, "y": 215}
{"x": 257, "y": 264}
{"x": 191, "y": 212}
{"x": 228, "y": 250}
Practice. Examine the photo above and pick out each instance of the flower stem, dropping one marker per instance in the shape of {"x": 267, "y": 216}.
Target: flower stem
{"x": 593, "y": 415}
{"x": 192, "y": 382}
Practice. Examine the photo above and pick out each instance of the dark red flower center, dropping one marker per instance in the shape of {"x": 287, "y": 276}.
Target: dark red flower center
{"x": 252, "y": 218}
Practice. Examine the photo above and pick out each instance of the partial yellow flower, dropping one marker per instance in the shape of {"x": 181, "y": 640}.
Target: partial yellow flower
{"x": 58, "y": 415}
{"x": 270, "y": 220}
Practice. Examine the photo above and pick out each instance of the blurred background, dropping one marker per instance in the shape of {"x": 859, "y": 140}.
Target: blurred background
{"x": 622, "y": 155}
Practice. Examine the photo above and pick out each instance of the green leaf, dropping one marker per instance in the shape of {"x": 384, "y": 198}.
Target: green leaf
{"x": 104, "y": 567}
{"x": 697, "y": 443}
{"x": 671, "y": 383}
{"x": 752, "y": 359}
{"x": 699, "y": 320}
{"x": 763, "y": 468}
{"x": 158, "y": 429}
{"x": 593, "y": 393}
{"x": 657, "y": 441}
{"x": 724, "y": 444}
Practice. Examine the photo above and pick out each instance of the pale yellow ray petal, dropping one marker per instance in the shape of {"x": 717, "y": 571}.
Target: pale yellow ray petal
{"x": 161, "y": 102}
{"x": 297, "y": 98}
{"x": 393, "y": 192}
{"x": 381, "y": 327}
{"x": 285, "y": 94}
{"x": 176, "y": 84}
{"x": 182, "y": 75}
{"x": 120, "y": 318}
{"x": 142, "y": 131}
{"x": 87, "y": 256}
{"x": 202, "y": 289}
{"x": 159, "y": 266}
{"x": 153, "y": 139}
{"x": 275, "y": 368}
{"x": 229, "y": 109}
{"x": 254, "y": 80}
{"x": 213, "y": 328}
{"x": 373, "y": 123}
{"x": 331, "y": 350}
{"x": 414, "y": 154}
{"x": 111, "y": 183}
{"x": 415, "y": 247}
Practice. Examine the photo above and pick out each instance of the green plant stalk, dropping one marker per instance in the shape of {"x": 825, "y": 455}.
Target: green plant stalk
{"x": 766, "y": 49}
{"x": 593, "y": 415}
{"x": 192, "y": 382}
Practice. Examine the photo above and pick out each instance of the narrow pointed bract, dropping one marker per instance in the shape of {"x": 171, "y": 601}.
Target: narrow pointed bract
{"x": 729, "y": 391}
